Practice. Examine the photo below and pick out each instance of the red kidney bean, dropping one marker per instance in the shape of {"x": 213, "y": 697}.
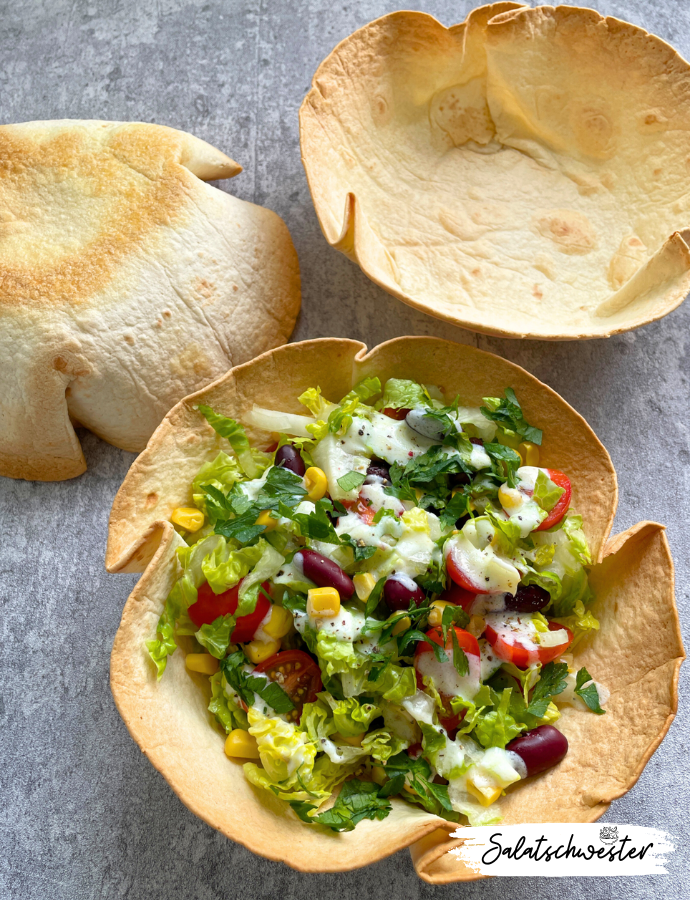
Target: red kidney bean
{"x": 325, "y": 573}
{"x": 392, "y": 413}
{"x": 399, "y": 590}
{"x": 478, "y": 441}
{"x": 528, "y": 598}
{"x": 289, "y": 458}
{"x": 380, "y": 469}
{"x": 540, "y": 749}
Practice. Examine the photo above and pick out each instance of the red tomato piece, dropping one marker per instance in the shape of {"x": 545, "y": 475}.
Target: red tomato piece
{"x": 210, "y": 606}
{"x": 392, "y": 413}
{"x": 362, "y": 508}
{"x": 523, "y": 651}
{"x": 297, "y": 674}
{"x": 560, "y": 509}
{"x": 455, "y": 570}
{"x": 459, "y": 596}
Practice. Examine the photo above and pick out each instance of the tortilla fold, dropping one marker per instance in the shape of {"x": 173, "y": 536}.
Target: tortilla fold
{"x": 636, "y": 653}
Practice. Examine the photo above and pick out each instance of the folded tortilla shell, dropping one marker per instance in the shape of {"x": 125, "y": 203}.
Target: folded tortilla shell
{"x": 169, "y": 719}
{"x": 126, "y": 283}
{"x": 522, "y": 174}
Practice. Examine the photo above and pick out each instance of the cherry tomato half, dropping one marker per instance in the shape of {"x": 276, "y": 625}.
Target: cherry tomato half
{"x": 523, "y": 651}
{"x": 454, "y": 568}
{"x": 459, "y": 596}
{"x": 210, "y": 606}
{"x": 560, "y": 509}
{"x": 466, "y": 642}
{"x": 392, "y": 413}
{"x": 362, "y": 508}
{"x": 297, "y": 674}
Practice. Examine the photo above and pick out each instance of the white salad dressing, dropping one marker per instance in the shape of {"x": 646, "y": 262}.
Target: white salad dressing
{"x": 569, "y": 695}
{"x": 346, "y": 626}
{"x": 490, "y": 662}
{"x": 519, "y": 629}
{"x": 421, "y": 707}
{"x": 400, "y": 723}
{"x": 252, "y": 488}
{"x": 333, "y": 456}
{"x": 474, "y": 554}
{"x": 445, "y": 675}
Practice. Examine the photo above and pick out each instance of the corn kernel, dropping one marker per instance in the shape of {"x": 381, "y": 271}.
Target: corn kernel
{"x": 201, "y": 662}
{"x": 510, "y": 498}
{"x": 353, "y": 740}
{"x": 484, "y": 799}
{"x": 402, "y": 625}
{"x": 279, "y": 623}
{"x": 188, "y": 518}
{"x": 267, "y": 520}
{"x": 240, "y": 744}
{"x": 364, "y": 584}
{"x": 529, "y": 453}
{"x": 378, "y": 773}
{"x": 260, "y": 651}
{"x": 436, "y": 614}
{"x": 316, "y": 483}
{"x": 476, "y": 626}
{"x": 323, "y": 603}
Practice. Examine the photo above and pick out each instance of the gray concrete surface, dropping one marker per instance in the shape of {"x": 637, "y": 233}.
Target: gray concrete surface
{"x": 82, "y": 813}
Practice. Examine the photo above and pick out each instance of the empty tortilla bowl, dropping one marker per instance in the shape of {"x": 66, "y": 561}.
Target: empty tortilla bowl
{"x": 521, "y": 174}
{"x": 636, "y": 653}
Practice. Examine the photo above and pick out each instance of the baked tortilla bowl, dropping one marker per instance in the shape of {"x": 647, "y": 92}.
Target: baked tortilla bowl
{"x": 522, "y": 174}
{"x": 636, "y": 653}
{"x": 126, "y": 283}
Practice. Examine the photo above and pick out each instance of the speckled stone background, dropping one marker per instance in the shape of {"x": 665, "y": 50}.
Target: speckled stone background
{"x": 82, "y": 812}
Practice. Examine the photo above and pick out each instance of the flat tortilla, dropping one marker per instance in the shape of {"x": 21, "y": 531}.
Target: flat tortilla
{"x": 639, "y": 639}
{"x": 126, "y": 283}
{"x": 521, "y": 174}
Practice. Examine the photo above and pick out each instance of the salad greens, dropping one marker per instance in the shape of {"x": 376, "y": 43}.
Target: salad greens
{"x": 459, "y": 593}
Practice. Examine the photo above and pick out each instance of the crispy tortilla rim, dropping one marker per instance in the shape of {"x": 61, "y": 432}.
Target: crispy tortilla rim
{"x": 521, "y": 174}
{"x": 637, "y": 652}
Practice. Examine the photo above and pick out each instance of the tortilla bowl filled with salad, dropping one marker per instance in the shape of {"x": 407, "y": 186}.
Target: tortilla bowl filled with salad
{"x": 380, "y": 602}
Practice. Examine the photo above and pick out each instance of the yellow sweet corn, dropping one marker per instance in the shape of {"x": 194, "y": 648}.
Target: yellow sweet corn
{"x": 529, "y": 454}
{"x": 402, "y": 625}
{"x": 364, "y": 583}
{"x": 260, "y": 651}
{"x": 279, "y": 624}
{"x": 267, "y": 520}
{"x": 201, "y": 662}
{"x": 510, "y": 498}
{"x": 316, "y": 483}
{"x": 240, "y": 744}
{"x": 323, "y": 603}
{"x": 378, "y": 773}
{"x": 484, "y": 799}
{"x": 188, "y": 518}
{"x": 436, "y": 614}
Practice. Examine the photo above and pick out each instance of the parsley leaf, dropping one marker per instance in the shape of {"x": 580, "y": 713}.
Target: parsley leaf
{"x": 457, "y": 507}
{"x": 507, "y": 412}
{"x": 453, "y": 615}
{"x": 374, "y": 597}
{"x": 551, "y": 682}
{"x": 247, "y": 685}
{"x": 589, "y": 693}
{"x": 351, "y": 480}
{"x": 505, "y": 462}
{"x": 357, "y": 800}
{"x": 314, "y": 525}
{"x": 460, "y": 661}
{"x": 361, "y": 550}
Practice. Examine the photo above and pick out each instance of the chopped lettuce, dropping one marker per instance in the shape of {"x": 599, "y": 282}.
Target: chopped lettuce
{"x": 399, "y": 393}
{"x": 232, "y": 431}
{"x": 546, "y": 492}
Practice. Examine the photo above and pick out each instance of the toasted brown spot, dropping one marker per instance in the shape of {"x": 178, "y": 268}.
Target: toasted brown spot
{"x": 79, "y": 203}
{"x": 569, "y": 230}
{"x": 151, "y": 500}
